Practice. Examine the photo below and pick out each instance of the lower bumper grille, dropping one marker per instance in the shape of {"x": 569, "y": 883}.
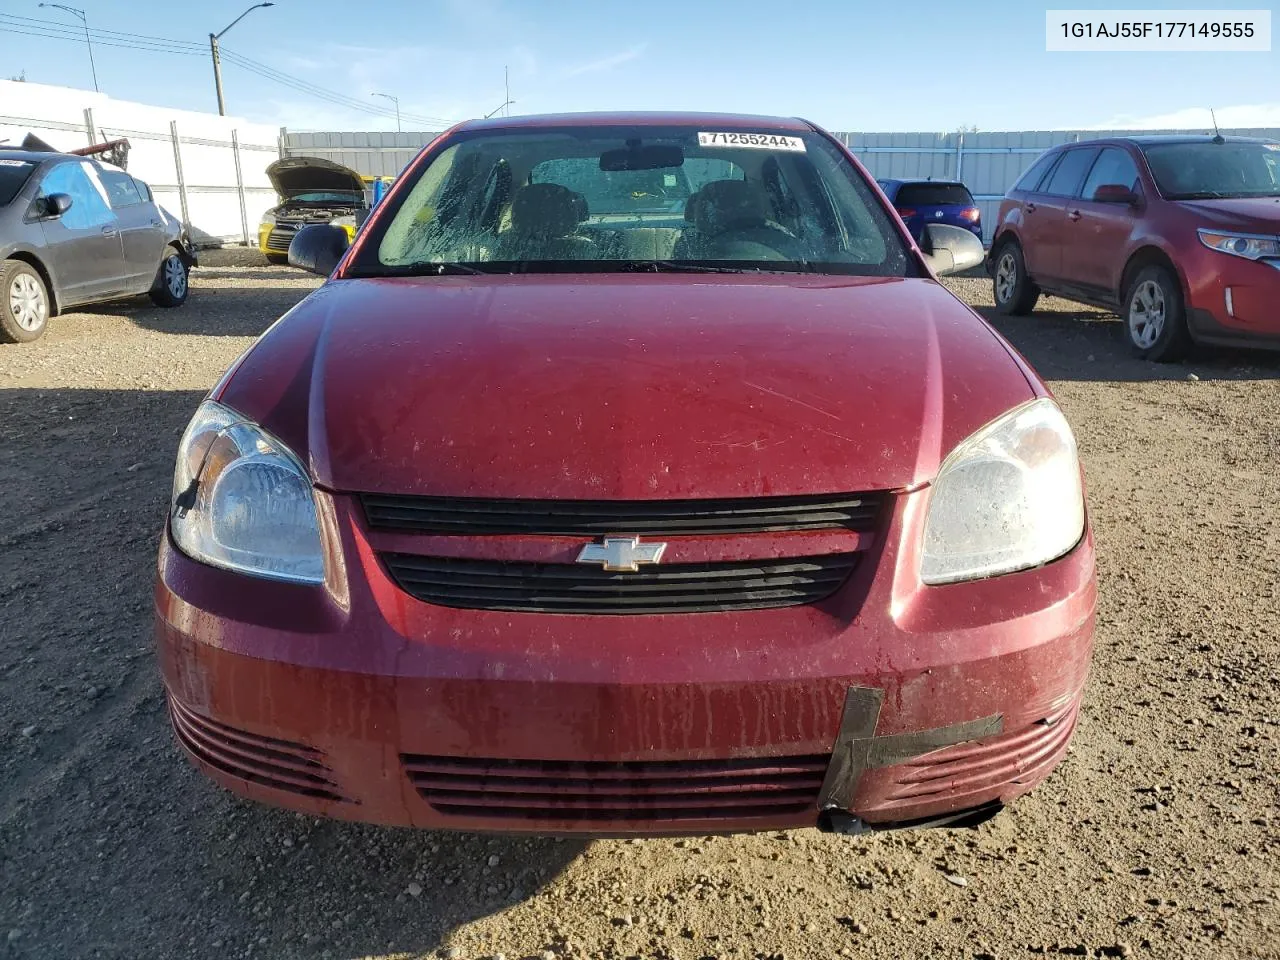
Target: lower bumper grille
{"x": 279, "y": 764}
{"x": 575, "y": 588}
{"x": 970, "y": 767}
{"x": 642, "y": 791}
{"x": 278, "y": 240}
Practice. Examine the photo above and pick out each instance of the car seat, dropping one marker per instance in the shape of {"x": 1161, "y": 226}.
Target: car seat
{"x": 544, "y": 221}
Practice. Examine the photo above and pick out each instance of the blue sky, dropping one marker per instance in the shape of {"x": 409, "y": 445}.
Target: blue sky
{"x": 849, "y": 66}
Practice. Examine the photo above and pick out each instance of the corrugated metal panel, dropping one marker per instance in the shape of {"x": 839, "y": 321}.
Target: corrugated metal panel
{"x": 989, "y": 162}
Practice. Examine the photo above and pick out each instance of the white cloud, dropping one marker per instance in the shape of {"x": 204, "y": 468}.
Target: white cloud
{"x": 607, "y": 63}
{"x": 1197, "y": 118}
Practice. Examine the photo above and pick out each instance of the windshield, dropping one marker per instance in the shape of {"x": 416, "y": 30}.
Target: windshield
{"x": 662, "y": 198}
{"x": 324, "y": 196}
{"x": 13, "y": 174}
{"x": 1206, "y": 170}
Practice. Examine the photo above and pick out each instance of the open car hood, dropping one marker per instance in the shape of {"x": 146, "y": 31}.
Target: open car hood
{"x": 295, "y": 175}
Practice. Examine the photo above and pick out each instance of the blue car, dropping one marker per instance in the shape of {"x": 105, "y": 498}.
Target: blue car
{"x": 921, "y": 202}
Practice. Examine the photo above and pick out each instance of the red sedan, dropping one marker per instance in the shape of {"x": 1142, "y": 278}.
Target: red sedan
{"x": 632, "y": 474}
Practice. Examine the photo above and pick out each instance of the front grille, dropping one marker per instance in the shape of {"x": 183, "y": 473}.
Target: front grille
{"x": 591, "y": 518}
{"x": 970, "y": 767}
{"x": 278, "y": 240}
{"x": 578, "y": 588}
{"x": 566, "y": 791}
{"x": 267, "y": 761}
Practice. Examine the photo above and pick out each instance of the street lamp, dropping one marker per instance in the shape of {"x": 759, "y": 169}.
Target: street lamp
{"x": 506, "y": 103}
{"x": 396, "y": 101}
{"x": 217, "y": 56}
{"x": 80, "y": 13}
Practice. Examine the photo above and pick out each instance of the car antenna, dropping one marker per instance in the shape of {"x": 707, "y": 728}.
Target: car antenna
{"x": 1217, "y": 136}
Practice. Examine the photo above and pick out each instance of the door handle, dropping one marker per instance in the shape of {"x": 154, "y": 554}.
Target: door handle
{"x": 109, "y": 231}
{"x": 156, "y": 223}
{"x": 1073, "y": 215}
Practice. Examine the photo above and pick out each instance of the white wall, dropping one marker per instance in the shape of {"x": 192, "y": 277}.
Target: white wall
{"x": 61, "y": 116}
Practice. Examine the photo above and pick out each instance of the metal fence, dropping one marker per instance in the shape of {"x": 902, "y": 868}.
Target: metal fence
{"x": 209, "y": 170}
{"x": 989, "y": 163}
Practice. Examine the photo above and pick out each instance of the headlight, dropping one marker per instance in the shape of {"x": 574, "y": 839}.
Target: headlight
{"x": 1247, "y": 245}
{"x": 242, "y": 501}
{"x": 269, "y": 218}
{"x": 1006, "y": 499}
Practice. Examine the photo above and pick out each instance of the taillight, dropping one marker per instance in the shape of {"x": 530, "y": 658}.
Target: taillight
{"x": 905, "y": 212}
{"x": 971, "y": 214}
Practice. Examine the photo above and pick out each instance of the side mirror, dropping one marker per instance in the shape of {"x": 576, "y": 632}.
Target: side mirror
{"x": 56, "y": 204}
{"x": 318, "y": 248}
{"x": 1115, "y": 193}
{"x": 950, "y": 249}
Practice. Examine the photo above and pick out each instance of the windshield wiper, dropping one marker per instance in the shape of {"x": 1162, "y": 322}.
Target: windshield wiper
{"x": 421, "y": 270}
{"x": 674, "y": 266}
{"x": 677, "y": 266}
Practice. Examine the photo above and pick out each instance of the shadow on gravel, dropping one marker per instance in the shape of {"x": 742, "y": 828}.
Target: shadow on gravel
{"x": 211, "y": 311}
{"x": 264, "y": 272}
{"x": 1088, "y": 345}
{"x": 113, "y": 846}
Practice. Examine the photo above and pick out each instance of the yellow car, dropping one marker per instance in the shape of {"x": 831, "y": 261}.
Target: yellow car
{"x": 312, "y": 190}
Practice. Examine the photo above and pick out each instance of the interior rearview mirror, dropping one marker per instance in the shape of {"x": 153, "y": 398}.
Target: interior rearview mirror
{"x": 318, "y": 248}
{"x": 653, "y": 156}
{"x": 1114, "y": 193}
{"x": 950, "y": 249}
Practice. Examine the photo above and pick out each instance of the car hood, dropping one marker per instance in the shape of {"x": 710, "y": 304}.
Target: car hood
{"x": 294, "y": 175}
{"x": 1245, "y": 213}
{"x": 626, "y": 387}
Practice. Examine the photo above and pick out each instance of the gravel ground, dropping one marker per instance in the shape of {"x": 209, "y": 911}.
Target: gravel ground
{"x": 1157, "y": 837}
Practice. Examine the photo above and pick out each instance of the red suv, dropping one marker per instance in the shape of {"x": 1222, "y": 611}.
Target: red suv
{"x": 1181, "y": 235}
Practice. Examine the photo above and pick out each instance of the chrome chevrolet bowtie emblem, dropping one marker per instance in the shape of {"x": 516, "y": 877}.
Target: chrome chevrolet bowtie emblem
{"x": 621, "y": 554}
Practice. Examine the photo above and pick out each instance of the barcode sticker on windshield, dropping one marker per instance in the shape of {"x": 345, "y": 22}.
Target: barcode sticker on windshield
{"x": 758, "y": 141}
{"x": 14, "y": 163}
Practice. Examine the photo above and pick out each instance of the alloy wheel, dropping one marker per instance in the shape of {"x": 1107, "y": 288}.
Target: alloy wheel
{"x": 27, "y": 302}
{"x": 1146, "y": 314}
{"x": 1006, "y": 277}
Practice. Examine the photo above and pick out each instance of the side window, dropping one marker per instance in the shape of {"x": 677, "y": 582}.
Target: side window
{"x": 79, "y": 181}
{"x": 120, "y": 189}
{"x": 1067, "y": 176}
{"x": 143, "y": 191}
{"x": 1030, "y": 180}
{"x": 1114, "y": 166}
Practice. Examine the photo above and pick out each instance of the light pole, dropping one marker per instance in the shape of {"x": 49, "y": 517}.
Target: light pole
{"x": 84, "y": 20}
{"x": 217, "y": 56}
{"x": 396, "y": 101}
{"x": 506, "y": 103}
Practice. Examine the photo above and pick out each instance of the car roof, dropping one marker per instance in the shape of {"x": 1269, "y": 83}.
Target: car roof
{"x": 34, "y": 156}
{"x": 1146, "y": 140}
{"x": 731, "y": 121}
{"x": 937, "y": 180}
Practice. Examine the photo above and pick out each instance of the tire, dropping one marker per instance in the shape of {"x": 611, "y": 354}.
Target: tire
{"x": 173, "y": 281}
{"x": 1014, "y": 292}
{"x": 1155, "y": 316}
{"x": 24, "y": 303}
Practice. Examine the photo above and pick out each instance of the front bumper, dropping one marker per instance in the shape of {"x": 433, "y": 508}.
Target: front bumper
{"x": 274, "y": 238}
{"x": 891, "y": 702}
{"x": 1250, "y": 315}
